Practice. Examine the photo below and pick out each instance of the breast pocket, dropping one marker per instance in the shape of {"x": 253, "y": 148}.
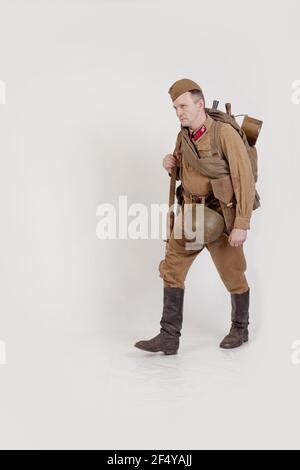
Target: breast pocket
{"x": 204, "y": 152}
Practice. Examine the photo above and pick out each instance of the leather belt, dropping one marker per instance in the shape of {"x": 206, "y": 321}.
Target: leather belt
{"x": 197, "y": 198}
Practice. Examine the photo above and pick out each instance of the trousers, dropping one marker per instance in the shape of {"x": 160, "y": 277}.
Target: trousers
{"x": 229, "y": 261}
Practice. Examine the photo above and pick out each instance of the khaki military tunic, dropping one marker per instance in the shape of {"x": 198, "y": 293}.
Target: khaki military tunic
{"x": 233, "y": 149}
{"x": 230, "y": 261}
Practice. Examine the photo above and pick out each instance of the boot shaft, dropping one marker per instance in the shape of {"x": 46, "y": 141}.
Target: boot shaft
{"x": 172, "y": 316}
{"x": 240, "y": 309}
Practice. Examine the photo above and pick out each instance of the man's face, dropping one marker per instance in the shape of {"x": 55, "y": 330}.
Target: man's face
{"x": 186, "y": 110}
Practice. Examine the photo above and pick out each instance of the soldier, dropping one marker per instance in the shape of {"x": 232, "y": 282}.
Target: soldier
{"x": 237, "y": 188}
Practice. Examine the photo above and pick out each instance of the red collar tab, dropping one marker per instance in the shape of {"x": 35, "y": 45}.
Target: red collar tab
{"x": 199, "y": 133}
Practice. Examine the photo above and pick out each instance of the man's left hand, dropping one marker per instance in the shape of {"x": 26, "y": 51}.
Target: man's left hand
{"x": 237, "y": 237}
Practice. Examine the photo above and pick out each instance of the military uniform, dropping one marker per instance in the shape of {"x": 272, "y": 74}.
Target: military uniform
{"x": 230, "y": 158}
{"x": 229, "y": 261}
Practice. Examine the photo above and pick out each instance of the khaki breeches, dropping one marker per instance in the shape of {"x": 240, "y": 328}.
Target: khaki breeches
{"x": 229, "y": 261}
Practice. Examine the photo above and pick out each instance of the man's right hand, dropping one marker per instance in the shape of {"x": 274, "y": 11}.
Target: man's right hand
{"x": 169, "y": 162}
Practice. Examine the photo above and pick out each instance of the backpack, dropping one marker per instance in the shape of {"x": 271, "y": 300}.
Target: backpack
{"x": 249, "y": 132}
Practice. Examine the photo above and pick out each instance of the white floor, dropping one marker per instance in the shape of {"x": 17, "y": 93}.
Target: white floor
{"x": 95, "y": 391}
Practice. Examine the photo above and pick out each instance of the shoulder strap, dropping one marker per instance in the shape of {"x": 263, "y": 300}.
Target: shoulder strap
{"x": 215, "y": 140}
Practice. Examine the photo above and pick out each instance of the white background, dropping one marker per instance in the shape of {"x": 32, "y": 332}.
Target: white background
{"x": 88, "y": 118}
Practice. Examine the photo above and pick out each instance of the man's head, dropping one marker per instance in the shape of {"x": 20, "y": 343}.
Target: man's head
{"x": 188, "y": 101}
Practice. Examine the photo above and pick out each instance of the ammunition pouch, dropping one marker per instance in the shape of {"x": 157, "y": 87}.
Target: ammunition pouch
{"x": 223, "y": 191}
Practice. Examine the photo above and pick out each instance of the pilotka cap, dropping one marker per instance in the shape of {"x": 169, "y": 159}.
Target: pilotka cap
{"x": 182, "y": 86}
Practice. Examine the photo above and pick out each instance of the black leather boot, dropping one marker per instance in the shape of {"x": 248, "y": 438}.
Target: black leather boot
{"x": 240, "y": 320}
{"x": 167, "y": 340}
